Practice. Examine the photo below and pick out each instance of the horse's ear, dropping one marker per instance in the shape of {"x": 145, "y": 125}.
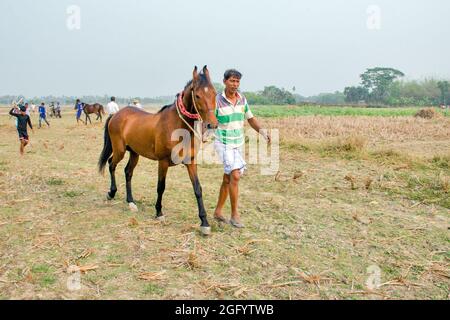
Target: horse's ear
{"x": 206, "y": 71}
{"x": 195, "y": 74}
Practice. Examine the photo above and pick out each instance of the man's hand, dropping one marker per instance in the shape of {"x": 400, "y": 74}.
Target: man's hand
{"x": 269, "y": 138}
{"x": 257, "y": 127}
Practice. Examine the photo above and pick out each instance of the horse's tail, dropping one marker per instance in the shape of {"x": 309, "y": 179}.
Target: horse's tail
{"x": 107, "y": 149}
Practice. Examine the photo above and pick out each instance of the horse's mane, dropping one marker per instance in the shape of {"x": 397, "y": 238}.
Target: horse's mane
{"x": 203, "y": 80}
{"x": 164, "y": 108}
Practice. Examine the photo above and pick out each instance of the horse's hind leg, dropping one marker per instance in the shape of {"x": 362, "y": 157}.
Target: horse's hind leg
{"x": 116, "y": 158}
{"x": 87, "y": 117}
{"x": 132, "y": 162}
{"x": 162, "y": 173}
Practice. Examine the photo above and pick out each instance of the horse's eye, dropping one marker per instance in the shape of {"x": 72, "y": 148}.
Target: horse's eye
{"x": 197, "y": 96}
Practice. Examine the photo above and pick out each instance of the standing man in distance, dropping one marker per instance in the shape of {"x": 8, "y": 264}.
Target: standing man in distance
{"x": 79, "y": 108}
{"x": 112, "y": 107}
{"x": 43, "y": 115}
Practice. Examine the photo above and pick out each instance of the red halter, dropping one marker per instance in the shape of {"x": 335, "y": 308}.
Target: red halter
{"x": 183, "y": 110}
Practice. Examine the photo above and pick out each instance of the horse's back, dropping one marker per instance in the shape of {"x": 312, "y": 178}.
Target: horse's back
{"x": 130, "y": 120}
{"x": 136, "y": 129}
{"x": 93, "y": 108}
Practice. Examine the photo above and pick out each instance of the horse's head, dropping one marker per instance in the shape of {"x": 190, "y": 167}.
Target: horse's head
{"x": 204, "y": 96}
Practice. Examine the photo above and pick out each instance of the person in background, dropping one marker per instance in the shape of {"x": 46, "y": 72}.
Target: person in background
{"x": 28, "y": 109}
{"x": 43, "y": 115}
{"x": 58, "y": 110}
{"x": 79, "y": 108}
{"x": 112, "y": 107}
{"x": 52, "y": 110}
{"x": 137, "y": 104}
{"x": 23, "y": 120}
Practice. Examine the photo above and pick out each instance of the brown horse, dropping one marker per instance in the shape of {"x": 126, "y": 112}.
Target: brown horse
{"x": 150, "y": 135}
{"x": 95, "y": 108}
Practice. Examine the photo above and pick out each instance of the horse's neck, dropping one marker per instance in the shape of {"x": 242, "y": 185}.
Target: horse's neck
{"x": 180, "y": 123}
{"x": 187, "y": 100}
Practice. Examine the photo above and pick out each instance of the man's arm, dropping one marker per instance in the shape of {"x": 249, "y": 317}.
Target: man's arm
{"x": 254, "y": 123}
{"x": 29, "y": 123}
{"x": 12, "y": 113}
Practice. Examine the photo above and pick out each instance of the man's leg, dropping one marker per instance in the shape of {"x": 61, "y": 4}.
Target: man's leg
{"x": 22, "y": 146}
{"x": 223, "y": 195}
{"x": 234, "y": 195}
{"x": 40, "y": 118}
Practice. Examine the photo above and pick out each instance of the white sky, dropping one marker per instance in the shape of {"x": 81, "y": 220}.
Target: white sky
{"x": 149, "y": 48}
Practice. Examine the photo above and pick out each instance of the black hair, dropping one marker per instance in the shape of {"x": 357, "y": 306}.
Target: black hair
{"x": 113, "y": 98}
{"x": 232, "y": 73}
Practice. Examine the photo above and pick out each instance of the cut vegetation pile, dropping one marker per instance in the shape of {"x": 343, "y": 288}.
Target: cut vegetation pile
{"x": 428, "y": 113}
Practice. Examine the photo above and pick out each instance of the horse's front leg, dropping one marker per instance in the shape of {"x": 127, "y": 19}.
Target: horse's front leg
{"x": 192, "y": 170}
{"x": 88, "y": 117}
{"x": 162, "y": 173}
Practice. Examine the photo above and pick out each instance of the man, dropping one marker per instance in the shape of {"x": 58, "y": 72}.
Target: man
{"x": 22, "y": 121}
{"x": 137, "y": 104}
{"x": 79, "y": 108}
{"x": 52, "y": 110}
{"x": 112, "y": 107}
{"x": 42, "y": 115}
{"x": 58, "y": 110}
{"x": 27, "y": 109}
{"x": 231, "y": 111}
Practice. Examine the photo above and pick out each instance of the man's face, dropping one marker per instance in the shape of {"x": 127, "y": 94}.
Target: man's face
{"x": 232, "y": 84}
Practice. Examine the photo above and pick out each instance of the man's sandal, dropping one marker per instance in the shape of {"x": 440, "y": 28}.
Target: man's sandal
{"x": 221, "y": 219}
{"x": 236, "y": 224}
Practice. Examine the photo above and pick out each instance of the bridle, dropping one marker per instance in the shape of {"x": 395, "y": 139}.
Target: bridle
{"x": 182, "y": 111}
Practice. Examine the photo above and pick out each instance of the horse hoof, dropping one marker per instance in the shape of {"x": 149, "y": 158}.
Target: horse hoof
{"x": 133, "y": 207}
{"x": 108, "y": 197}
{"x": 161, "y": 218}
{"x": 206, "y": 231}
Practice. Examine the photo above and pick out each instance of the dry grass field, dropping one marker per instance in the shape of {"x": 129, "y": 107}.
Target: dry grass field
{"x": 352, "y": 195}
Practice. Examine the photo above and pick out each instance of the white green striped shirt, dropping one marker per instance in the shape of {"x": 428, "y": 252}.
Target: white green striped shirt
{"x": 231, "y": 120}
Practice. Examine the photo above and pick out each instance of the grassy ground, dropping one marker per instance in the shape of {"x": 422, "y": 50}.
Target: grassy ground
{"x": 294, "y": 111}
{"x": 352, "y": 194}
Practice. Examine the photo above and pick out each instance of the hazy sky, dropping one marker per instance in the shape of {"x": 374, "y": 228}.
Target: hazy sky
{"x": 149, "y": 48}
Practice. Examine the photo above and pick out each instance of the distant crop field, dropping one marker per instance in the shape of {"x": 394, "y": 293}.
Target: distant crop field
{"x": 353, "y": 195}
{"x": 293, "y": 111}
